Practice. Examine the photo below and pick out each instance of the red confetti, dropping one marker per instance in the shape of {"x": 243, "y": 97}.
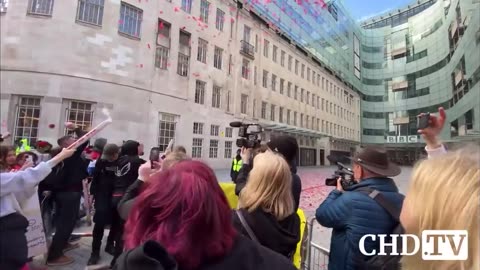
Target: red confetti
{"x": 161, "y": 12}
{"x": 120, "y": 21}
{"x": 148, "y": 45}
{"x": 161, "y": 25}
{"x": 176, "y": 9}
{"x": 232, "y": 20}
{"x": 51, "y": 126}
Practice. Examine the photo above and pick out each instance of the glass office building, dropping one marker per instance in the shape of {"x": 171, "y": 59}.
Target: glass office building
{"x": 402, "y": 63}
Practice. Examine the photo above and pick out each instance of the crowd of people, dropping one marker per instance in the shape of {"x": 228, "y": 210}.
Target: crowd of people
{"x": 171, "y": 213}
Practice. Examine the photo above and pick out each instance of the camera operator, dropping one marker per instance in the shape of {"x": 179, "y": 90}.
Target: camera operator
{"x": 352, "y": 214}
{"x": 285, "y": 145}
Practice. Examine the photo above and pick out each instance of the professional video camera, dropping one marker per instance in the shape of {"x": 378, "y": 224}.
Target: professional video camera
{"x": 248, "y": 133}
{"x": 343, "y": 172}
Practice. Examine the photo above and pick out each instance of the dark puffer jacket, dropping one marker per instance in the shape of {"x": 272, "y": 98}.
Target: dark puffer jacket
{"x": 245, "y": 255}
{"x": 280, "y": 236}
{"x": 352, "y": 214}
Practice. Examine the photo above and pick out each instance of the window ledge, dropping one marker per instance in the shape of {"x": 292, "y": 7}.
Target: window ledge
{"x": 129, "y": 36}
{"x": 87, "y": 24}
{"x": 39, "y": 15}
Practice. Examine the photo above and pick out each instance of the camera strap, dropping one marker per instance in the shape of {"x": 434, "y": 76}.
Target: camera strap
{"x": 246, "y": 226}
{"x": 378, "y": 197}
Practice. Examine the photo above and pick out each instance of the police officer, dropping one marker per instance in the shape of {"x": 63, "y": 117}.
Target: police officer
{"x": 236, "y": 166}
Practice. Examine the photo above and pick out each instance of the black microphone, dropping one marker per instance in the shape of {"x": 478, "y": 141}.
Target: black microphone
{"x": 236, "y": 124}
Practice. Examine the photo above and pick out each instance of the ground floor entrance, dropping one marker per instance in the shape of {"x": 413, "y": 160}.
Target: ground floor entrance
{"x": 406, "y": 156}
{"x": 307, "y": 157}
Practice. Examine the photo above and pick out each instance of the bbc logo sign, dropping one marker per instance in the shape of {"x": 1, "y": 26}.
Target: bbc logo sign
{"x": 402, "y": 139}
{"x": 436, "y": 245}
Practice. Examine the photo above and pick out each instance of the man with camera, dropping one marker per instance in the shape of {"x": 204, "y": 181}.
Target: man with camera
{"x": 352, "y": 213}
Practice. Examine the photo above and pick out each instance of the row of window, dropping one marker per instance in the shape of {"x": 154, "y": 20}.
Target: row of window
{"x": 214, "y": 130}
{"x": 290, "y": 90}
{"x": 324, "y": 105}
{"x": 292, "y": 64}
{"x": 199, "y": 98}
{"x": 131, "y": 17}
{"x": 286, "y": 116}
{"x": 414, "y": 75}
{"x": 213, "y": 150}
{"x": 163, "y": 49}
{"x": 28, "y": 115}
{"x": 81, "y": 113}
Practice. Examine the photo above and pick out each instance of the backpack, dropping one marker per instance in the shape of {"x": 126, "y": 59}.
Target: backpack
{"x": 385, "y": 262}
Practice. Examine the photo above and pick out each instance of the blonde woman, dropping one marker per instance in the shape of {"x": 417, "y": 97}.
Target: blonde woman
{"x": 266, "y": 208}
{"x": 444, "y": 194}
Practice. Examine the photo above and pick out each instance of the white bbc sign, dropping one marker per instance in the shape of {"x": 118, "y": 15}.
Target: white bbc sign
{"x": 402, "y": 139}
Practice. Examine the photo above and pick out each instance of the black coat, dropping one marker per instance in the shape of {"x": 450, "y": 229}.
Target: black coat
{"x": 73, "y": 171}
{"x": 126, "y": 203}
{"x": 245, "y": 255}
{"x": 279, "y": 236}
{"x": 102, "y": 188}
{"x": 242, "y": 178}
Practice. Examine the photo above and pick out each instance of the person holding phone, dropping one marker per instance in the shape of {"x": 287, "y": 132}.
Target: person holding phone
{"x": 125, "y": 175}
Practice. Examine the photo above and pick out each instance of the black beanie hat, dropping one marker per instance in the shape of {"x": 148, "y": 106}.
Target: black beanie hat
{"x": 285, "y": 145}
{"x": 99, "y": 144}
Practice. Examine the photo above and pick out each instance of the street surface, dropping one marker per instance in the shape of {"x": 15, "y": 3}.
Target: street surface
{"x": 314, "y": 192}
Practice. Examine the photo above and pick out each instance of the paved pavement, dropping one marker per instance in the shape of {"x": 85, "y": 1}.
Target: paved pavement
{"x": 314, "y": 192}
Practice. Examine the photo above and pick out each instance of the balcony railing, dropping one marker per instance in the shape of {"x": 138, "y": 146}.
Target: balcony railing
{"x": 247, "y": 49}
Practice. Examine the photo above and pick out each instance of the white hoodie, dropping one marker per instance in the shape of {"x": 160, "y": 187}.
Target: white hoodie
{"x": 17, "y": 187}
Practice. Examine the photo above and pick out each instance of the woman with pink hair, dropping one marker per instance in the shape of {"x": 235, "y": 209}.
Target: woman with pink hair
{"x": 182, "y": 220}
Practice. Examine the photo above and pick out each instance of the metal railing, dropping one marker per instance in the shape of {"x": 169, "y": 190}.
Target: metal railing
{"x": 317, "y": 256}
{"x": 247, "y": 49}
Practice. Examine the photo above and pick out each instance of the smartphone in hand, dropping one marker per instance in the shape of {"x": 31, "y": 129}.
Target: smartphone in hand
{"x": 154, "y": 156}
{"x": 422, "y": 121}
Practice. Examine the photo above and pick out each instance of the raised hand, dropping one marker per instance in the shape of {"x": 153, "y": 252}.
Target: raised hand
{"x": 435, "y": 127}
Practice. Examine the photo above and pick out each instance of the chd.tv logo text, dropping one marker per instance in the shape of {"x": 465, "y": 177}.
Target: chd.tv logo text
{"x": 435, "y": 245}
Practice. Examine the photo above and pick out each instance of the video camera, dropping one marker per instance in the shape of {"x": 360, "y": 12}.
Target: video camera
{"x": 343, "y": 172}
{"x": 248, "y": 133}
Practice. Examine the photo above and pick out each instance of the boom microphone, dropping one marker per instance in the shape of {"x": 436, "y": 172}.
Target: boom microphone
{"x": 236, "y": 124}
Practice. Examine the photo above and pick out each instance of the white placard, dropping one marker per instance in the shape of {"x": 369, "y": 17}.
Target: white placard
{"x": 36, "y": 240}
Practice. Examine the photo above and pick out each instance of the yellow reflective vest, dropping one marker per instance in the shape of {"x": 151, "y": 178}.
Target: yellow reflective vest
{"x": 236, "y": 165}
